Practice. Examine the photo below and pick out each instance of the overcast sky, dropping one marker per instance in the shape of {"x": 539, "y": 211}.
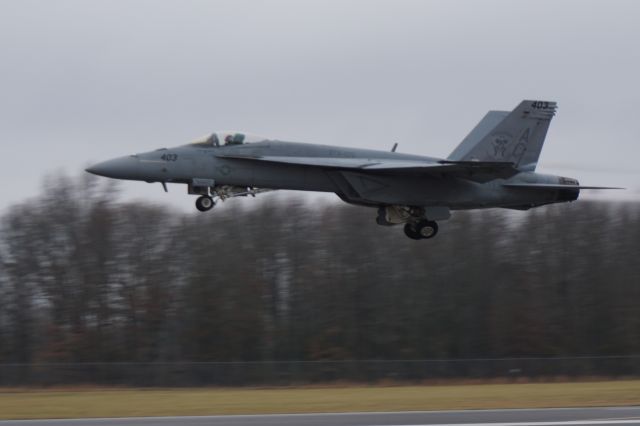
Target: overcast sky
{"x": 83, "y": 81}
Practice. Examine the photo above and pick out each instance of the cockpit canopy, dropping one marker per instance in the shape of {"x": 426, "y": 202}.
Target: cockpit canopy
{"x": 223, "y": 138}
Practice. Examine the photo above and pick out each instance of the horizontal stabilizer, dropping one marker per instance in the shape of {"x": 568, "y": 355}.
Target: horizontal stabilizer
{"x": 554, "y": 186}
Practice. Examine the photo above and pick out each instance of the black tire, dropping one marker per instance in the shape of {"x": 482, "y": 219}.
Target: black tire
{"x": 426, "y": 229}
{"x": 411, "y": 232}
{"x": 205, "y": 203}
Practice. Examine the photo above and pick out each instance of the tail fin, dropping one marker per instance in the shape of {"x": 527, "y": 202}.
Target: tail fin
{"x": 515, "y": 136}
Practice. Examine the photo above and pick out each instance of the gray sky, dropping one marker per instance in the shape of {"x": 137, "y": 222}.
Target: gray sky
{"x": 83, "y": 81}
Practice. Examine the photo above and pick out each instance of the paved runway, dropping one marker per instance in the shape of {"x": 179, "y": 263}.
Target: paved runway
{"x": 544, "y": 417}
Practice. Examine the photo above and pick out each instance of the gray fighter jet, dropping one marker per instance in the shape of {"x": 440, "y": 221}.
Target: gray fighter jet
{"x": 494, "y": 166}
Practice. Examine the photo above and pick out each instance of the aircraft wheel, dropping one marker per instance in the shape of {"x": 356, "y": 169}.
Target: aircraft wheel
{"x": 411, "y": 232}
{"x": 205, "y": 203}
{"x": 427, "y": 228}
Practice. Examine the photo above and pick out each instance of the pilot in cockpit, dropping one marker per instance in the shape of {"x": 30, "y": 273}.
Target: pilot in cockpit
{"x": 234, "y": 139}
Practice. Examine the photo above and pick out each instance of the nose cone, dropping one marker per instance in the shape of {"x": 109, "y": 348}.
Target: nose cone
{"x": 118, "y": 168}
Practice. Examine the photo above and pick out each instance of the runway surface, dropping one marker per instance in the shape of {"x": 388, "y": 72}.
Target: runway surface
{"x": 542, "y": 417}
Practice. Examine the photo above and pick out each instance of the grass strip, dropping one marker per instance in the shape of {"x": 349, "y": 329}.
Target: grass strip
{"x": 61, "y": 403}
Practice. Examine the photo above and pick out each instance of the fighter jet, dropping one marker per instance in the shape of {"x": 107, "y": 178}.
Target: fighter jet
{"x": 494, "y": 166}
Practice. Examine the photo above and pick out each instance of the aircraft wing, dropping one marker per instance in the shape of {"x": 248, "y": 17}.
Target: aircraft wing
{"x": 382, "y": 165}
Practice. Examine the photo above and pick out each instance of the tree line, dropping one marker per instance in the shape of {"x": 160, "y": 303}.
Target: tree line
{"x": 85, "y": 277}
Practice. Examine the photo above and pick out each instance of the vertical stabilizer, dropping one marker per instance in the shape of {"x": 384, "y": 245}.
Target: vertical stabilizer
{"x": 482, "y": 129}
{"x": 515, "y": 137}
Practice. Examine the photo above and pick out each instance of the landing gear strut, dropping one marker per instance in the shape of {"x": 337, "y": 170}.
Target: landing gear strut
{"x": 421, "y": 230}
{"x": 205, "y": 203}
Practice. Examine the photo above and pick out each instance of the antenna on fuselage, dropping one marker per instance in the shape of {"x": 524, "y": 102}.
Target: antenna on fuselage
{"x": 395, "y": 145}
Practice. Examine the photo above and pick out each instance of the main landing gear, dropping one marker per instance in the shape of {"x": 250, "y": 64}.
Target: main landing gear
{"x": 422, "y": 229}
{"x": 416, "y": 224}
{"x": 205, "y": 203}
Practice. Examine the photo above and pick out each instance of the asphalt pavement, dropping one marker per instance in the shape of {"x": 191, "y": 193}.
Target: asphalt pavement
{"x": 538, "y": 417}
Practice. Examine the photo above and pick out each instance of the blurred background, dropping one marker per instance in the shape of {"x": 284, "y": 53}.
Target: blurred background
{"x": 120, "y": 283}
{"x": 287, "y": 290}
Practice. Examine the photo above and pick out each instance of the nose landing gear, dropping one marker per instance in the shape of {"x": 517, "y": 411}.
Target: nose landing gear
{"x": 205, "y": 203}
{"x": 422, "y": 229}
{"x": 210, "y": 195}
